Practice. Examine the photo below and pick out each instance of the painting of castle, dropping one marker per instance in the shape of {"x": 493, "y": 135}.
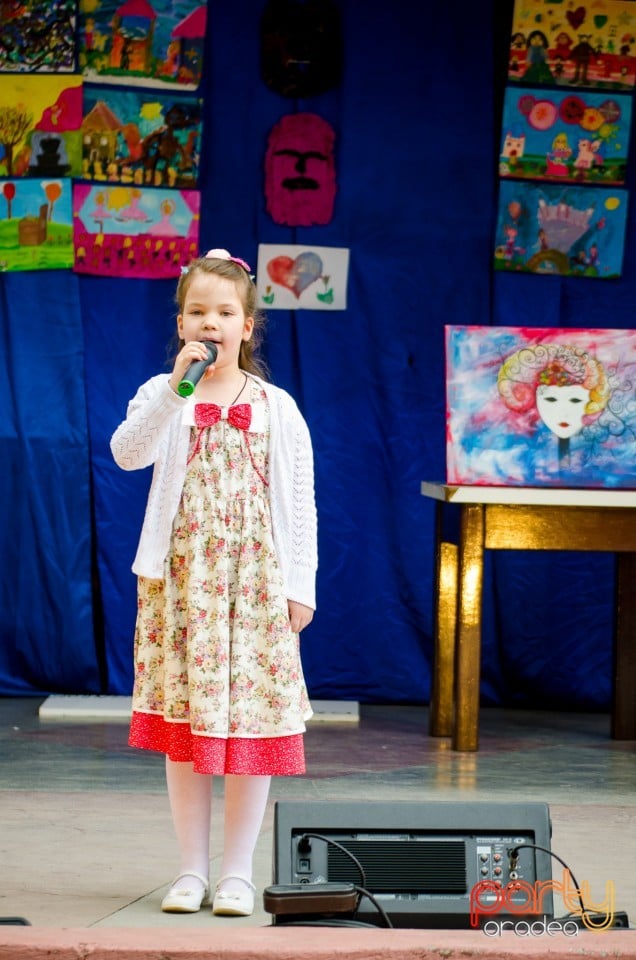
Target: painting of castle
{"x": 546, "y": 228}
{"x": 139, "y": 42}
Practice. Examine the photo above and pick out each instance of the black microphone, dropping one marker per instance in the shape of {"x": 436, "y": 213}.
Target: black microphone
{"x": 196, "y": 370}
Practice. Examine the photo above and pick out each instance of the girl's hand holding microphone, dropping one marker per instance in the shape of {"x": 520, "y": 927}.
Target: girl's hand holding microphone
{"x": 192, "y": 363}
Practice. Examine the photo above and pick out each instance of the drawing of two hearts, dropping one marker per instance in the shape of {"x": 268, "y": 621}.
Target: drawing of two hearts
{"x": 296, "y": 275}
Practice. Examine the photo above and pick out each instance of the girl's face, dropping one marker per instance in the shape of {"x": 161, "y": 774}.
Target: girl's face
{"x": 213, "y": 310}
{"x": 562, "y": 408}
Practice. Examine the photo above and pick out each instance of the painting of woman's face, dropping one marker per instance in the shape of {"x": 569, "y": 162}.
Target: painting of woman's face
{"x": 562, "y": 408}
{"x": 540, "y": 406}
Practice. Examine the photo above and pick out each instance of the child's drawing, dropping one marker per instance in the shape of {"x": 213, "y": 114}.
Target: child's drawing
{"x": 40, "y": 119}
{"x": 38, "y": 36}
{"x": 558, "y": 229}
{"x": 158, "y": 43}
{"x": 541, "y": 406}
{"x": 130, "y": 231}
{"x": 589, "y": 44}
{"x": 143, "y": 137}
{"x": 293, "y": 277}
{"x": 36, "y": 230}
{"x": 578, "y": 137}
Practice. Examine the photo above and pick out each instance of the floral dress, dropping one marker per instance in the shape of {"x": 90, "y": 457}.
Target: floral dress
{"x": 218, "y": 677}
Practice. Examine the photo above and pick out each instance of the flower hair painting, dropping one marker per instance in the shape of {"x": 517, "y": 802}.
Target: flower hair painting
{"x": 541, "y": 406}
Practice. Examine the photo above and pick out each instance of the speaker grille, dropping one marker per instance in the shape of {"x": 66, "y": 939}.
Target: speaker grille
{"x": 397, "y": 866}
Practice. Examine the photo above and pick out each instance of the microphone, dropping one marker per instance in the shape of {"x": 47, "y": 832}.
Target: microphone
{"x": 196, "y": 370}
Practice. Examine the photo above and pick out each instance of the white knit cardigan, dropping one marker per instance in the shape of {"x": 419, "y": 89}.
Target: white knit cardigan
{"x": 154, "y": 432}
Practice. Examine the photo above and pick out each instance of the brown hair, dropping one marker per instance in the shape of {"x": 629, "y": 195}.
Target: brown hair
{"x": 249, "y": 360}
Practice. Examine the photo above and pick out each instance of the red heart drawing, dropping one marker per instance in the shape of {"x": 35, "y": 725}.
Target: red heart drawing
{"x": 576, "y": 17}
{"x": 280, "y": 270}
{"x": 296, "y": 274}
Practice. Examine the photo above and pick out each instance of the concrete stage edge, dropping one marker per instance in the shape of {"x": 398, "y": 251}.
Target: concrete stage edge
{"x": 298, "y": 943}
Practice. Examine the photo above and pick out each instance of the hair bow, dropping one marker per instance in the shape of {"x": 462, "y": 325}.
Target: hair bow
{"x": 220, "y": 254}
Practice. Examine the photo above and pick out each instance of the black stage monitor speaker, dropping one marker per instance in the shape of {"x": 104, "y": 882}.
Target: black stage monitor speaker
{"x": 427, "y": 864}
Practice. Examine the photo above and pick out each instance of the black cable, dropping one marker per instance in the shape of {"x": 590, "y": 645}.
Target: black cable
{"x": 330, "y": 922}
{"x": 361, "y": 890}
{"x": 375, "y": 903}
{"x": 319, "y": 836}
{"x": 534, "y": 846}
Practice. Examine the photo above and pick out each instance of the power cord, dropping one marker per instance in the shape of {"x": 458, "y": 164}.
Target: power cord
{"x": 585, "y": 912}
{"x": 304, "y": 847}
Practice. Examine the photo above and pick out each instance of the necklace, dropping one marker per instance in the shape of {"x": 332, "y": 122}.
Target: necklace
{"x": 240, "y": 391}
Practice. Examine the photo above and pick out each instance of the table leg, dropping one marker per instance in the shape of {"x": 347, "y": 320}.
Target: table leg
{"x": 442, "y": 705}
{"x": 468, "y": 652}
{"x": 624, "y": 700}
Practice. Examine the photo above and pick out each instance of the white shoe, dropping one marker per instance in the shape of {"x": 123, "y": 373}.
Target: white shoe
{"x": 186, "y": 897}
{"x": 234, "y": 904}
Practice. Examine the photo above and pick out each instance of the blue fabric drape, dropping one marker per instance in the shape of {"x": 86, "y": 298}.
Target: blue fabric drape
{"x": 46, "y": 613}
{"x": 416, "y": 117}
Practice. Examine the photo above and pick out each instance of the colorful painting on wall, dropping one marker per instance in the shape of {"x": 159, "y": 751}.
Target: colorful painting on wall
{"x": 36, "y": 231}
{"x": 294, "y": 277}
{"x": 147, "y": 138}
{"x": 558, "y": 229}
{"x": 578, "y": 44}
{"x": 40, "y": 118}
{"x": 129, "y": 231}
{"x": 147, "y": 42}
{"x": 38, "y": 37}
{"x": 552, "y": 135}
{"x": 540, "y": 407}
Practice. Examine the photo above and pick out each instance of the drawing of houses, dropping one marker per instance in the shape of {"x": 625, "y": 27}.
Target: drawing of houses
{"x": 133, "y": 29}
{"x": 187, "y": 40}
{"x": 100, "y": 129}
{"x": 144, "y": 42}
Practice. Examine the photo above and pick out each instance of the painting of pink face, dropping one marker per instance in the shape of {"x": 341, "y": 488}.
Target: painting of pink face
{"x": 300, "y": 175}
{"x": 562, "y": 408}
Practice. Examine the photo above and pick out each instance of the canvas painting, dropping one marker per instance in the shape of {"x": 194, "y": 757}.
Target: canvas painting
{"x": 156, "y": 43}
{"x": 40, "y": 118}
{"x": 145, "y": 137}
{"x": 294, "y": 277}
{"x": 38, "y": 36}
{"x": 129, "y": 231}
{"x": 540, "y": 407}
{"x": 36, "y": 231}
{"x": 578, "y": 137}
{"x": 588, "y": 44}
{"x": 547, "y": 228}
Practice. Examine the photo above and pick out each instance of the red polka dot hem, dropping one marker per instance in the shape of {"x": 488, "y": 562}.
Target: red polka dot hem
{"x": 270, "y": 756}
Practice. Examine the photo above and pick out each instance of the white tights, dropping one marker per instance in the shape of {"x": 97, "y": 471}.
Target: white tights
{"x": 190, "y": 796}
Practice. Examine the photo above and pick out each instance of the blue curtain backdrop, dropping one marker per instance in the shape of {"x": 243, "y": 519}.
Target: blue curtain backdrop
{"x": 417, "y": 122}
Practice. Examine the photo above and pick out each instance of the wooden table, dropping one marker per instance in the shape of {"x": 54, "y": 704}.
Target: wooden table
{"x": 521, "y": 518}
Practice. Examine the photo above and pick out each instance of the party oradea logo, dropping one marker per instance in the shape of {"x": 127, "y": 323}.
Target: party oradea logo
{"x": 525, "y": 914}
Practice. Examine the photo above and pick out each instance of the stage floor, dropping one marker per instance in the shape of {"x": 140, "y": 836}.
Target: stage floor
{"x": 86, "y": 839}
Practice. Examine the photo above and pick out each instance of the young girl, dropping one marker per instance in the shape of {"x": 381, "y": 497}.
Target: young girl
{"x": 226, "y": 568}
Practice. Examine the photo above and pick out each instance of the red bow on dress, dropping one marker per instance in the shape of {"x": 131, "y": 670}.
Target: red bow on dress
{"x": 239, "y": 415}
{"x": 207, "y": 414}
